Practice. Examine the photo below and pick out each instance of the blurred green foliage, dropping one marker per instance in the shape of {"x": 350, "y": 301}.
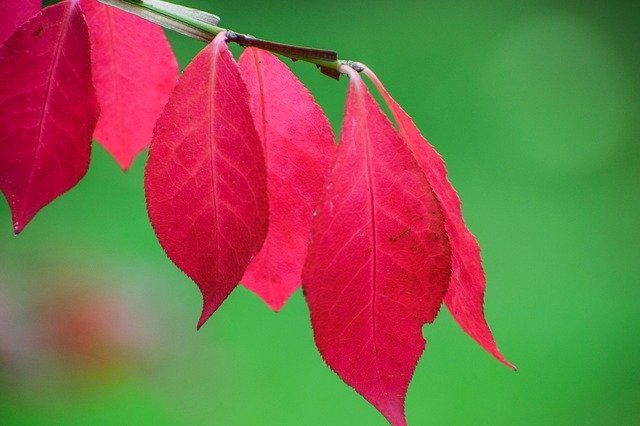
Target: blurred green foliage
{"x": 533, "y": 105}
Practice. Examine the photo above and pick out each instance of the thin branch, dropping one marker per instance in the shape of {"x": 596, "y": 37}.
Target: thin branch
{"x": 204, "y": 26}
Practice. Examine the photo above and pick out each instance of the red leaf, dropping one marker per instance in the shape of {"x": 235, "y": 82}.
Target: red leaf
{"x": 14, "y": 13}
{"x": 465, "y": 297}
{"x": 299, "y": 149}
{"x": 205, "y": 179}
{"x": 379, "y": 261}
{"x": 48, "y": 109}
{"x": 134, "y": 72}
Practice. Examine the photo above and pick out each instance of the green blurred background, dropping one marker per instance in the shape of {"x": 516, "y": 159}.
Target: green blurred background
{"x": 533, "y": 105}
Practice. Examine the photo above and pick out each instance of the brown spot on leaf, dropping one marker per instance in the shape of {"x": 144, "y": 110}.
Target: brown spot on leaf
{"x": 395, "y": 238}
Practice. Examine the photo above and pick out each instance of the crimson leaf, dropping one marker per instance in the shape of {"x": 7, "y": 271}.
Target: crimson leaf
{"x": 299, "y": 149}
{"x": 134, "y": 72}
{"x": 379, "y": 259}
{"x": 205, "y": 179}
{"x": 48, "y": 109}
{"x": 465, "y": 296}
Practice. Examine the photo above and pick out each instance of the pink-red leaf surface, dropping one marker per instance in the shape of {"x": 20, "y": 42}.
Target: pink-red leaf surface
{"x": 134, "y": 72}
{"x": 48, "y": 109}
{"x": 379, "y": 261}
{"x": 299, "y": 149}
{"x": 205, "y": 179}
{"x": 465, "y": 296}
{"x": 14, "y": 13}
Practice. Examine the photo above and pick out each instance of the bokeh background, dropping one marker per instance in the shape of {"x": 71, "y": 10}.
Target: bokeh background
{"x": 534, "y": 106}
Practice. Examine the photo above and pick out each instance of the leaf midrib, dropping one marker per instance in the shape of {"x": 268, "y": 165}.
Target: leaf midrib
{"x": 54, "y": 65}
{"x": 364, "y": 129}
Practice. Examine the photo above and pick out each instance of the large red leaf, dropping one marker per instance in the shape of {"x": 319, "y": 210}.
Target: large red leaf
{"x": 465, "y": 296}
{"x": 48, "y": 109}
{"x": 134, "y": 72}
{"x": 205, "y": 178}
{"x": 14, "y": 13}
{"x": 379, "y": 261}
{"x": 299, "y": 149}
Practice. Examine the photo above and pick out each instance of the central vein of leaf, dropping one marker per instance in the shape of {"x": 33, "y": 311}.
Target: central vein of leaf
{"x": 364, "y": 132}
{"x": 263, "y": 104}
{"x": 263, "y": 137}
{"x": 64, "y": 26}
{"x": 211, "y": 101}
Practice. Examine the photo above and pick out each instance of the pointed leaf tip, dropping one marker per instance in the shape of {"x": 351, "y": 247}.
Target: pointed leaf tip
{"x": 465, "y": 296}
{"x": 204, "y": 315}
{"x": 379, "y": 260}
{"x": 205, "y": 180}
{"x": 299, "y": 149}
{"x": 48, "y": 110}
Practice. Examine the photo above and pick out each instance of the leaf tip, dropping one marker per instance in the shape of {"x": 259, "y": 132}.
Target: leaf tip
{"x": 276, "y": 305}
{"x": 207, "y": 311}
{"x": 275, "y": 301}
{"x": 19, "y": 223}
{"x": 17, "y": 228}
{"x": 498, "y": 356}
{"x": 210, "y": 304}
{"x": 125, "y": 166}
{"x": 508, "y": 364}
{"x": 395, "y": 415}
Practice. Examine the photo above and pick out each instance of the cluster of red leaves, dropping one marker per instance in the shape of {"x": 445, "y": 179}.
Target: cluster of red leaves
{"x": 76, "y": 69}
{"x": 244, "y": 182}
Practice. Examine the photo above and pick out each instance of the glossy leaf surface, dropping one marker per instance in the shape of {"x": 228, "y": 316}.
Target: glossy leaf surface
{"x": 205, "y": 179}
{"x": 134, "y": 71}
{"x": 48, "y": 109}
{"x": 299, "y": 150}
{"x": 465, "y": 296}
{"x": 14, "y": 13}
{"x": 379, "y": 261}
